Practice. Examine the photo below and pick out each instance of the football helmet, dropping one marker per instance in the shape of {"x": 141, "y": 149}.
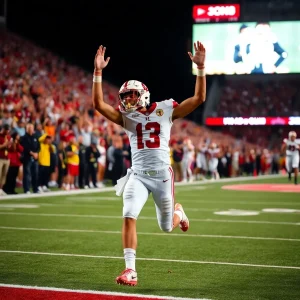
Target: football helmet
{"x": 130, "y": 102}
{"x": 292, "y": 133}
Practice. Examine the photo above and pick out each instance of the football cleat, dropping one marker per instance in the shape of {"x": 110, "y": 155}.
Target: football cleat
{"x": 184, "y": 223}
{"x": 127, "y": 277}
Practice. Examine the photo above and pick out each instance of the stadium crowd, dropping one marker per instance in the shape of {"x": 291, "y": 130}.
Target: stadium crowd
{"x": 51, "y": 136}
{"x": 256, "y": 98}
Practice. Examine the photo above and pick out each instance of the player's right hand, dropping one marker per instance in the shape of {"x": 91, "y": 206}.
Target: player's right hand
{"x": 199, "y": 57}
{"x": 100, "y": 63}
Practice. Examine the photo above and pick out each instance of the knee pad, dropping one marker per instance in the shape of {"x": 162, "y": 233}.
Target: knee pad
{"x": 166, "y": 227}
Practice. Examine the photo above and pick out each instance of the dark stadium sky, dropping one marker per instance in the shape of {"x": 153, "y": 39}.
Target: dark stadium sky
{"x": 147, "y": 40}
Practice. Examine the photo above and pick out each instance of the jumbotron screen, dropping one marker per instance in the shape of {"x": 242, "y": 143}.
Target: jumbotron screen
{"x": 250, "y": 48}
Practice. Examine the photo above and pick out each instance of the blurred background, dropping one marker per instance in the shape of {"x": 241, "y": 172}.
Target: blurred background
{"x": 47, "y": 51}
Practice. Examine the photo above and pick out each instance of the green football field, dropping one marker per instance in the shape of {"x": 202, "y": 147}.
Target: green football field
{"x": 236, "y": 249}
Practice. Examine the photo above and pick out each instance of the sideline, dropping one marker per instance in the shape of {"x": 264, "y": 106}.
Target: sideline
{"x": 86, "y": 294}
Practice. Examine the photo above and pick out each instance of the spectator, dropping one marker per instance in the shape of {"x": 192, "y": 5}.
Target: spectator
{"x": 72, "y": 152}
{"x": 30, "y": 159}
{"x": 101, "y": 162}
{"x": 83, "y": 179}
{"x": 5, "y": 144}
{"x": 45, "y": 161}
{"x": 91, "y": 156}
{"x": 14, "y": 155}
{"x": 62, "y": 165}
{"x": 115, "y": 159}
{"x": 177, "y": 160}
{"x": 19, "y": 127}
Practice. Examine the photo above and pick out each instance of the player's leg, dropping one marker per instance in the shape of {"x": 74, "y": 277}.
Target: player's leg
{"x": 213, "y": 168}
{"x": 296, "y": 175}
{"x": 204, "y": 165}
{"x": 198, "y": 168}
{"x": 134, "y": 198}
{"x": 288, "y": 166}
{"x": 184, "y": 170}
{"x": 295, "y": 166}
{"x": 169, "y": 215}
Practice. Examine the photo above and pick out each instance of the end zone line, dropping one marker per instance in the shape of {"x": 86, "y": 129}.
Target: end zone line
{"x": 150, "y": 259}
{"x": 54, "y": 289}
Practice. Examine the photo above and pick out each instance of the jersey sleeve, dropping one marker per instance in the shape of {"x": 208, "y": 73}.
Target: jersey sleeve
{"x": 168, "y": 106}
{"x": 170, "y": 103}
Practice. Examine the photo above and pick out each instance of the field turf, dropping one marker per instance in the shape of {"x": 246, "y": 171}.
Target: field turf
{"x": 74, "y": 242}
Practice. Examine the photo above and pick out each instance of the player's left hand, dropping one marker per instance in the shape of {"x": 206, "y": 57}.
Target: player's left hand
{"x": 199, "y": 57}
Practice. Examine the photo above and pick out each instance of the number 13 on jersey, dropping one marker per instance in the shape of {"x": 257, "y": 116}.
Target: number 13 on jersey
{"x": 153, "y": 141}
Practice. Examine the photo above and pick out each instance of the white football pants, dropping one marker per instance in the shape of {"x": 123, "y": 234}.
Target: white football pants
{"x": 138, "y": 188}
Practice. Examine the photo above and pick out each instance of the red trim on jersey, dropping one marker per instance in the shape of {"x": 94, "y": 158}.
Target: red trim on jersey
{"x": 172, "y": 183}
{"x": 175, "y": 104}
{"x": 149, "y": 110}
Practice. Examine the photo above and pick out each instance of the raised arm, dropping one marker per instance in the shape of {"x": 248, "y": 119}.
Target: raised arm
{"x": 283, "y": 146}
{"x": 190, "y": 104}
{"x": 97, "y": 93}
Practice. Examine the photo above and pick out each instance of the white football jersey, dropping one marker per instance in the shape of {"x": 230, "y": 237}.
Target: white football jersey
{"x": 203, "y": 150}
{"x": 214, "y": 153}
{"x": 291, "y": 147}
{"x": 188, "y": 154}
{"x": 149, "y": 135}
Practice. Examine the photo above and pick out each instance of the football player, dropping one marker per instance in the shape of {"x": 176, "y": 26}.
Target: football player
{"x": 148, "y": 126}
{"x": 291, "y": 149}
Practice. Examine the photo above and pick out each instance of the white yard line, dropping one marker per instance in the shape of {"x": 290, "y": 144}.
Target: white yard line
{"x": 75, "y": 205}
{"x": 111, "y": 189}
{"x": 145, "y": 218}
{"x": 152, "y": 233}
{"x": 133, "y": 296}
{"x": 150, "y": 259}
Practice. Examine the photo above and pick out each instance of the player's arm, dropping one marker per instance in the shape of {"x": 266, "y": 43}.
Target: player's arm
{"x": 97, "y": 92}
{"x": 190, "y": 104}
{"x": 282, "y": 54}
{"x": 237, "y": 57}
{"x": 283, "y": 146}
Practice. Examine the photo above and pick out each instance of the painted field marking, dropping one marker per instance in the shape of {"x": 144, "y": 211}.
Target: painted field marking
{"x": 143, "y": 218}
{"x": 237, "y": 212}
{"x": 150, "y": 259}
{"x": 281, "y": 210}
{"x": 264, "y": 187}
{"x": 22, "y": 205}
{"x": 239, "y": 202}
{"x": 93, "y": 292}
{"x": 151, "y": 233}
{"x": 111, "y": 189}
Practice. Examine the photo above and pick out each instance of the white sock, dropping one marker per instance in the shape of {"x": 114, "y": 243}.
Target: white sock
{"x": 179, "y": 214}
{"x": 129, "y": 256}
